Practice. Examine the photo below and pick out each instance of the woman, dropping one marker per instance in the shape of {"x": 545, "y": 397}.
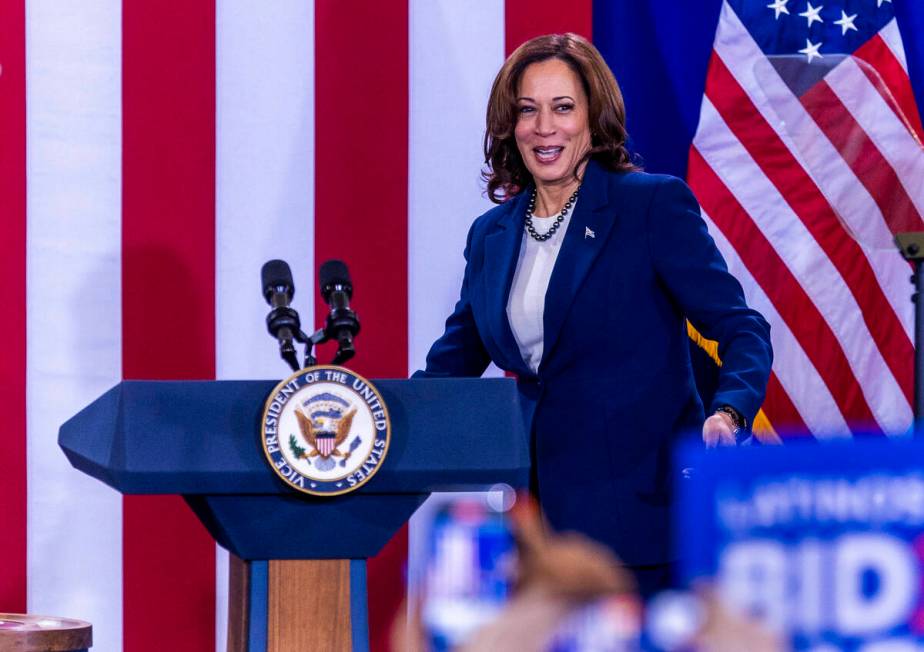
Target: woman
{"x": 579, "y": 283}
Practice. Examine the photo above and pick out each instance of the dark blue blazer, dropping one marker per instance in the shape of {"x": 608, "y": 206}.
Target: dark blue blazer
{"x": 615, "y": 386}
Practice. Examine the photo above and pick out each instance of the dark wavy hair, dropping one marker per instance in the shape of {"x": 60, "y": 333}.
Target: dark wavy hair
{"x": 505, "y": 173}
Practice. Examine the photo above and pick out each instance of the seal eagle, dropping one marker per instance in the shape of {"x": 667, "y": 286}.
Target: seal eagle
{"x": 310, "y": 433}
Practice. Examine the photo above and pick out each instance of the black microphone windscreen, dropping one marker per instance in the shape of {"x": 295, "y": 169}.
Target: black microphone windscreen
{"x": 276, "y": 273}
{"x": 334, "y": 272}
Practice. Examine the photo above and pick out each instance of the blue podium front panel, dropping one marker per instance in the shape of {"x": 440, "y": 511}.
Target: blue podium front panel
{"x": 189, "y": 437}
{"x": 202, "y": 440}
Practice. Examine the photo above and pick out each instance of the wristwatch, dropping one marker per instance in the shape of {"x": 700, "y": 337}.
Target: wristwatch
{"x": 741, "y": 424}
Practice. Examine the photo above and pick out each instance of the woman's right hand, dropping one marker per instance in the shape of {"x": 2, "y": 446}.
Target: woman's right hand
{"x": 719, "y": 430}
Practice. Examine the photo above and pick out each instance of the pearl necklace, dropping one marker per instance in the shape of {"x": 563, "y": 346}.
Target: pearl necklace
{"x": 528, "y": 220}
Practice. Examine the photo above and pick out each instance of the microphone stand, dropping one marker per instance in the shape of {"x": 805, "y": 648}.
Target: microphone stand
{"x": 286, "y": 317}
{"x": 334, "y": 329}
{"x": 911, "y": 246}
{"x": 316, "y": 338}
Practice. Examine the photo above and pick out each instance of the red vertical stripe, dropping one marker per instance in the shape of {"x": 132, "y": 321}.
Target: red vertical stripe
{"x": 13, "y": 298}
{"x": 168, "y": 297}
{"x": 524, "y": 19}
{"x": 361, "y": 162}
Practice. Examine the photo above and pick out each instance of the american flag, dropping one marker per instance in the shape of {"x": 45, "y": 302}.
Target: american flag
{"x": 154, "y": 155}
{"x": 806, "y": 160}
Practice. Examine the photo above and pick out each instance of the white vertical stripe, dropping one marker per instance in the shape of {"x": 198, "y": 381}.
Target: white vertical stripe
{"x": 795, "y": 371}
{"x": 73, "y": 159}
{"x": 455, "y": 52}
{"x": 222, "y": 585}
{"x": 264, "y": 189}
{"x": 264, "y": 174}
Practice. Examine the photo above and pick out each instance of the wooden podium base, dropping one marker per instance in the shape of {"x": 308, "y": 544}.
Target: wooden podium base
{"x": 284, "y": 605}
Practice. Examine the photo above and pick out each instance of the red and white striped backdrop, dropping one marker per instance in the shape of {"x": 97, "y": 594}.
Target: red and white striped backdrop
{"x": 777, "y": 176}
{"x": 154, "y": 155}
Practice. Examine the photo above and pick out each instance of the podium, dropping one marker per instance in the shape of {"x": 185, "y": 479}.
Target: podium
{"x": 201, "y": 440}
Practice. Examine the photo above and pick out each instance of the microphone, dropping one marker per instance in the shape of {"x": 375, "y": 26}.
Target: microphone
{"x": 342, "y": 323}
{"x": 282, "y": 322}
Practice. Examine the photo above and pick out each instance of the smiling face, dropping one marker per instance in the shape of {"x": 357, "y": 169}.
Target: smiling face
{"x": 552, "y": 130}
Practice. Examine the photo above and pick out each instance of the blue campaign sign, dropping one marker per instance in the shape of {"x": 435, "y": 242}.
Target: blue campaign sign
{"x": 820, "y": 541}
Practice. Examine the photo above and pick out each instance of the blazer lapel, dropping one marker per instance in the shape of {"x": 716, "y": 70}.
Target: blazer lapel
{"x": 502, "y": 249}
{"x": 584, "y": 240}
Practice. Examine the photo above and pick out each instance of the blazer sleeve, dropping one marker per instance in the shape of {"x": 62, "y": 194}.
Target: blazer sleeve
{"x": 694, "y": 273}
{"x": 459, "y": 351}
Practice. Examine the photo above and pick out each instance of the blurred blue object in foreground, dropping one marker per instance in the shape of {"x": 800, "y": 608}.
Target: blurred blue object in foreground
{"x": 469, "y": 570}
{"x": 821, "y": 543}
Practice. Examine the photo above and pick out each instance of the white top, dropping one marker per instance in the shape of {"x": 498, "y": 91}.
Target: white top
{"x": 526, "y": 305}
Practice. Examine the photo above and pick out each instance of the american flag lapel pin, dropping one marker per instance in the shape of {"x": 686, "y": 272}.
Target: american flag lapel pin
{"x": 588, "y": 233}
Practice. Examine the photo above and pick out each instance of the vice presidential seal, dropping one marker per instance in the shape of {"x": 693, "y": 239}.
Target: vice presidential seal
{"x": 325, "y": 430}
